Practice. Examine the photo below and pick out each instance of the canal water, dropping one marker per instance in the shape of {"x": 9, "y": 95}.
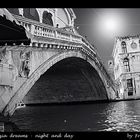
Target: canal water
{"x": 115, "y": 116}
{"x": 73, "y": 80}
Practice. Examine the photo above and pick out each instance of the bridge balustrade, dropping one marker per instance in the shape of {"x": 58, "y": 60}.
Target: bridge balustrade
{"x": 76, "y": 38}
{"x": 64, "y": 36}
{"x": 40, "y": 29}
{"x": 43, "y": 30}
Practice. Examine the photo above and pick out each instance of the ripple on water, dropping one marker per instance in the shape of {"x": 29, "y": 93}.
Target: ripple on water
{"x": 116, "y": 116}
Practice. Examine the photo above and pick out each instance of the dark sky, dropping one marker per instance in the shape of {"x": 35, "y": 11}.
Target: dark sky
{"x": 90, "y": 23}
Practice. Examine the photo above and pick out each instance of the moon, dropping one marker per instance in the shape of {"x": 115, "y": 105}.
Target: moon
{"x": 109, "y": 23}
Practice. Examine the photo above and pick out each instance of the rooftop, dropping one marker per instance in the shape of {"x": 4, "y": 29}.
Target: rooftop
{"x": 128, "y": 37}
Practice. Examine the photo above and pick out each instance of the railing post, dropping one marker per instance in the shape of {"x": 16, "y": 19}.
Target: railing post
{"x": 32, "y": 29}
{"x": 70, "y": 37}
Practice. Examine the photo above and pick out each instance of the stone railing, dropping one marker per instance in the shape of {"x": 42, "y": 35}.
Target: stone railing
{"x": 40, "y": 29}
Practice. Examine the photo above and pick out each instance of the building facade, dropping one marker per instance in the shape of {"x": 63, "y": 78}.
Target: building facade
{"x": 56, "y": 17}
{"x": 126, "y": 55}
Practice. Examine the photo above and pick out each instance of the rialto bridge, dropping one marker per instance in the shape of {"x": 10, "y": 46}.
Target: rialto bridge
{"x": 54, "y": 42}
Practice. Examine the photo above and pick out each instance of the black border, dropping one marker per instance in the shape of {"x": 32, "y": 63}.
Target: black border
{"x": 74, "y": 135}
{"x": 75, "y": 4}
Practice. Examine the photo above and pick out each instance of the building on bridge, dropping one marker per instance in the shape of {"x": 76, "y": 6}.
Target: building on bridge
{"x": 126, "y": 56}
{"x": 44, "y": 37}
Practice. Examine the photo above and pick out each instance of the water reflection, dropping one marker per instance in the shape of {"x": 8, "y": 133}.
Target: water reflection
{"x": 7, "y": 125}
{"x": 120, "y": 116}
{"x": 115, "y": 116}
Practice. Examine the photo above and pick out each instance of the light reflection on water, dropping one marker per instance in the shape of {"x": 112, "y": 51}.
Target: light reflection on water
{"x": 115, "y": 116}
{"x": 122, "y": 116}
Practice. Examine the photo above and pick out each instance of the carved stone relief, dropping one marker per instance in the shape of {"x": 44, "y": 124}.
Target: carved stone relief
{"x": 8, "y": 71}
{"x": 3, "y": 55}
{"x": 24, "y": 64}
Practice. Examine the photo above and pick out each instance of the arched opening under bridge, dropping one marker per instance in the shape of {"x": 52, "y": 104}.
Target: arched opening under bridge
{"x": 71, "y": 79}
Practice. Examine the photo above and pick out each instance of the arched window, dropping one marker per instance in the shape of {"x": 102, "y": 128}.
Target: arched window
{"x": 47, "y": 18}
{"x": 34, "y": 14}
{"x": 126, "y": 64}
{"x": 31, "y": 13}
{"x": 124, "y": 49}
{"x": 13, "y": 10}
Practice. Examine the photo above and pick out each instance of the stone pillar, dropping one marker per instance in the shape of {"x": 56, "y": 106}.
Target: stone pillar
{"x": 21, "y": 11}
{"x": 40, "y": 13}
{"x": 55, "y": 17}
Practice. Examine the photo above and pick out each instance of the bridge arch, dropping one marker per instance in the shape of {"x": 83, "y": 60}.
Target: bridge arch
{"x": 27, "y": 85}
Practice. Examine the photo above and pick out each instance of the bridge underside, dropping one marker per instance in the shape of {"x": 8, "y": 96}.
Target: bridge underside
{"x": 71, "y": 79}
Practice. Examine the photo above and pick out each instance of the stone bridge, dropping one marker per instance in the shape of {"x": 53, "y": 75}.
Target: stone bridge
{"x": 21, "y": 65}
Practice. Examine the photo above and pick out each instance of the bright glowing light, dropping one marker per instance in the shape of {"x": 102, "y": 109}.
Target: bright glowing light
{"x": 109, "y": 23}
